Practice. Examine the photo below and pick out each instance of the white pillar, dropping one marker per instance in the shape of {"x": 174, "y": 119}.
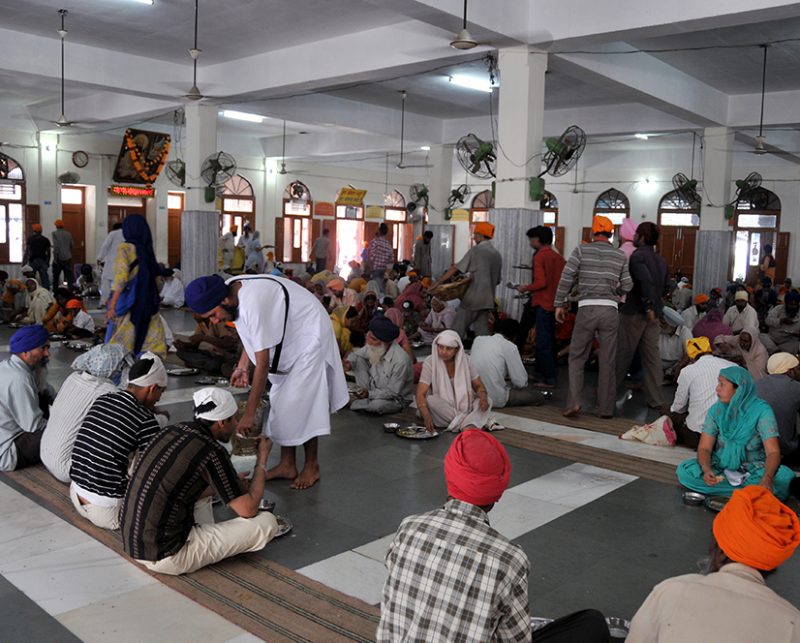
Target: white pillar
{"x": 717, "y": 162}
{"x": 441, "y": 182}
{"x": 200, "y": 221}
{"x": 49, "y": 187}
{"x": 519, "y": 127}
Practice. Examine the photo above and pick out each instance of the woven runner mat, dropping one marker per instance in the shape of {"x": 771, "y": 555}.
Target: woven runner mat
{"x": 588, "y": 421}
{"x": 262, "y": 597}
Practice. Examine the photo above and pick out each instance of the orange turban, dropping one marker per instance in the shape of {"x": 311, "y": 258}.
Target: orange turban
{"x": 426, "y": 282}
{"x": 59, "y": 223}
{"x": 36, "y": 227}
{"x": 602, "y": 224}
{"x": 484, "y": 228}
{"x": 476, "y": 468}
{"x": 73, "y": 303}
{"x": 757, "y": 529}
{"x": 701, "y": 298}
{"x": 358, "y": 284}
{"x": 234, "y": 229}
{"x": 337, "y": 283}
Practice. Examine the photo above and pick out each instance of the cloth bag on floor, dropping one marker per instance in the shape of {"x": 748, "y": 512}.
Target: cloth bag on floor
{"x": 659, "y": 432}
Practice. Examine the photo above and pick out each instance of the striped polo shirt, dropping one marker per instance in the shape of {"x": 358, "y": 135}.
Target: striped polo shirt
{"x": 179, "y": 464}
{"x": 600, "y": 271}
{"x": 114, "y": 428}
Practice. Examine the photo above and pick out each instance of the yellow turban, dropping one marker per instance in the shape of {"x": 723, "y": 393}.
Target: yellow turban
{"x": 697, "y": 346}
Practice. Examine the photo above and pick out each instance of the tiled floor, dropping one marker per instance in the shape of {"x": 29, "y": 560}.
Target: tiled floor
{"x": 594, "y": 537}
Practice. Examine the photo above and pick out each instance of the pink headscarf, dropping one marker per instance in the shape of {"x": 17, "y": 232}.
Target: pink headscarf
{"x": 627, "y": 231}
{"x": 412, "y": 293}
{"x": 396, "y": 317}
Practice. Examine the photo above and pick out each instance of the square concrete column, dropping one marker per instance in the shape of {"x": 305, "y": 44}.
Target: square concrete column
{"x": 519, "y": 123}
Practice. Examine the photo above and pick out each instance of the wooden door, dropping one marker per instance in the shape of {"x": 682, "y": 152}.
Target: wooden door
{"x": 279, "y": 239}
{"x": 117, "y": 214}
{"x": 586, "y": 235}
{"x": 74, "y": 219}
{"x": 688, "y": 241}
{"x": 781, "y": 255}
{"x": 559, "y": 231}
{"x": 667, "y": 247}
{"x": 174, "y": 228}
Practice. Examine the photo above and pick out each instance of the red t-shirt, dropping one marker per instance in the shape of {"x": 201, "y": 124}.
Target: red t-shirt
{"x": 547, "y": 267}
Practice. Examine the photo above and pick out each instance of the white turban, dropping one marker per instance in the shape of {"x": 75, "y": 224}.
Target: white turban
{"x": 224, "y": 405}
{"x": 156, "y": 375}
{"x": 779, "y": 363}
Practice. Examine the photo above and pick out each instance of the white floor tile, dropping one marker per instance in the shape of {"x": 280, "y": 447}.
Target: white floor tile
{"x": 515, "y": 515}
{"x": 376, "y": 550}
{"x": 351, "y": 573}
{"x": 574, "y": 485}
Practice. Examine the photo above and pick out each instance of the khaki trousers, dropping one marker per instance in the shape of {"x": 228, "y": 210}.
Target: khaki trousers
{"x": 209, "y": 544}
{"x": 636, "y": 332}
{"x": 603, "y": 320}
{"x": 103, "y": 517}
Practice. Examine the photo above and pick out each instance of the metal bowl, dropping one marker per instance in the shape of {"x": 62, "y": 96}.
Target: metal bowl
{"x": 391, "y": 427}
{"x": 538, "y": 623}
{"x": 266, "y": 505}
{"x": 716, "y": 503}
{"x": 693, "y": 498}
{"x": 618, "y": 627}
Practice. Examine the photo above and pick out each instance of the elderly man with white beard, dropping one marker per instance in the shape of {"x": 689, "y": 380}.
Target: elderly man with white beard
{"x": 383, "y": 370}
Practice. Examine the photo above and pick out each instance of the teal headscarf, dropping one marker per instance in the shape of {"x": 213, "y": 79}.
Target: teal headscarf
{"x": 738, "y": 419}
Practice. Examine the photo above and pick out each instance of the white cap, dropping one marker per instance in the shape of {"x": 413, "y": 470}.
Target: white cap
{"x": 156, "y": 375}
{"x": 224, "y": 405}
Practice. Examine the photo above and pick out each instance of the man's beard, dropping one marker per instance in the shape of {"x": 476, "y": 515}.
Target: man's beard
{"x": 375, "y": 353}
{"x": 233, "y": 311}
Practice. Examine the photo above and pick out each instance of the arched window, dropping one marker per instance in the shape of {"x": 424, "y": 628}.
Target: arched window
{"x": 12, "y": 219}
{"x": 297, "y": 200}
{"x": 238, "y": 204}
{"x": 394, "y": 206}
{"x": 549, "y": 209}
{"x": 482, "y": 202}
{"x": 613, "y": 204}
{"x": 676, "y": 208}
{"x": 757, "y": 221}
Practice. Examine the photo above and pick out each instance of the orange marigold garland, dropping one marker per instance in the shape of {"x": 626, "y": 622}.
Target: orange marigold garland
{"x": 148, "y": 169}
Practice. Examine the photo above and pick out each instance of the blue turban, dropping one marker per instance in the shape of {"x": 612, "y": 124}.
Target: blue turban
{"x": 383, "y": 328}
{"x": 791, "y": 297}
{"x": 28, "y": 338}
{"x": 206, "y": 293}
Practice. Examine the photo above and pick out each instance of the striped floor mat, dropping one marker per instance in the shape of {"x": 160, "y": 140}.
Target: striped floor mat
{"x": 264, "y": 598}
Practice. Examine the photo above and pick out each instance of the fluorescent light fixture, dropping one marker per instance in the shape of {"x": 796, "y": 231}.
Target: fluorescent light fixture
{"x": 641, "y": 137}
{"x": 471, "y": 82}
{"x": 145, "y": 1}
{"x": 426, "y": 148}
{"x": 242, "y": 116}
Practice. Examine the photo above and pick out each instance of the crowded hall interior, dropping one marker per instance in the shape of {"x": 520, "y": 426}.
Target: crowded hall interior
{"x": 420, "y": 320}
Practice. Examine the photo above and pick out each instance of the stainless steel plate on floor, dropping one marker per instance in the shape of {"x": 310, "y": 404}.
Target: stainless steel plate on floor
{"x": 182, "y": 372}
{"x": 693, "y": 499}
{"x": 618, "y": 627}
{"x": 415, "y": 433}
{"x": 391, "y": 427}
{"x": 284, "y": 526}
{"x": 57, "y": 338}
{"x": 716, "y": 503}
{"x": 266, "y": 505}
{"x": 538, "y": 623}
{"x": 210, "y": 380}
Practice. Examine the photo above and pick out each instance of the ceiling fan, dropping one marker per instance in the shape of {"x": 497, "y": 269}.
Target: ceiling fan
{"x": 401, "y": 165}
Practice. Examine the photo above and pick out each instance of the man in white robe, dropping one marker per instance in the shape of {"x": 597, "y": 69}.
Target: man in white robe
{"x": 227, "y": 243}
{"x": 295, "y": 348}
{"x": 172, "y": 292}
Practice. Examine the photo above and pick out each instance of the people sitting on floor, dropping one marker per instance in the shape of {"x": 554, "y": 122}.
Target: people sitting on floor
{"x": 383, "y": 370}
{"x": 39, "y": 302}
{"x": 61, "y": 296}
{"x": 764, "y": 298}
{"x": 72, "y": 321}
{"x": 783, "y": 324}
{"x": 390, "y": 288}
{"x": 746, "y": 349}
{"x": 21, "y": 417}
{"x": 753, "y": 535}
{"x": 214, "y": 347}
{"x": 450, "y": 393}
{"x": 781, "y": 390}
{"x": 342, "y": 319}
{"x": 96, "y": 373}
{"x": 15, "y": 301}
{"x": 440, "y": 317}
{"x": 696, "y": 392}
{"x": 739, "y": 444}
{"x": 340, "y": 294}
{"x": 672, "y": 343}
{"x": 741, "y": 314}
{"x": 163, "y": 528}
{"x": 711, "y": 325}
{"x": 117, "y": 425}
{"x": 497, "y": 361}
{"x": 682, "y": 295}
{"x": 453, "y": 577}
{"x": 366, "y": 310}
{"x": 87, "y": 284}
{"x": 396, "y": 317}
{"x": 696, "y": 311}
{"x": 172, "y": 291}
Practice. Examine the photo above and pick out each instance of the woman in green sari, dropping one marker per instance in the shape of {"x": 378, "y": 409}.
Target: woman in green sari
{"x": 739, "y": 442}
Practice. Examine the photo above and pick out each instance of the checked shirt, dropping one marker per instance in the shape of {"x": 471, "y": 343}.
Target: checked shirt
{"x": 452, "y": 577}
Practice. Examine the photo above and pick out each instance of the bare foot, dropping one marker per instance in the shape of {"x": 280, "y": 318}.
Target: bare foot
{"x": 308, "y": 477}
{"x": 282, "y": 472}
{"x": 571, "y": 411}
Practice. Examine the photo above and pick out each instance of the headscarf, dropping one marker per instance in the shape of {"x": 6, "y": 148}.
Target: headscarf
{"x": 383, "y": 329}
{"x": 136, "y": 232}
{"x": 697, "y": 346}
{"x": 206, "y": 293}
{"x": 457, "y": 394}
{"x": 756, "y": 529}
{"x": 755, "y": 359}
{"x": 737, "y": 420}
{"x": 340, "y": 329}
{"x": 105, "y": 361}
{"x": 485, "y": 228}
{"x": 358, "y": 284}
{"x": 28, "y": 338}
{"x": 221, "y": 403}
{"x": 779, "y": 363}
{"x": 626, "y": 232}
{"x": 413, "y": 294}
{"x": 476, "y": 468}
{"x": 711, "y": 326}
{"x": 156, "y": 375}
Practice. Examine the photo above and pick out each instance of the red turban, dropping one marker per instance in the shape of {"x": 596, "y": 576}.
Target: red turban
{"x": 476, "y": 468}
{"x": 757, "y": 529}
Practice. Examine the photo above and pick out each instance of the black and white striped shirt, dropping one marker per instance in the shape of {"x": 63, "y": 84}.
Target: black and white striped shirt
{"x": 115, "y": 427}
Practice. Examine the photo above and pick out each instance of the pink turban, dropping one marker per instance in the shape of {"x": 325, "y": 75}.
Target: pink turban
{"x": 628, "y": 229}
{"x": 476, "y": 468}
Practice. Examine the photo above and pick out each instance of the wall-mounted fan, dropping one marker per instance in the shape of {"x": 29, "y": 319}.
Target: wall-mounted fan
{"x": 561, "y": 156}
{"x": 476, "y": 156}
{"x": 176, "y": 172}
{"x": 217, "y": 169}
{"x": 68, "y": 178}
{"x": 686, "y": 188}
{"x": 745, "y": 189}
{"x": 3, "y": 166}
{"x": 457, "y": 197}
{"x": 298, "y": 191}
{"x": 417, "y": 199}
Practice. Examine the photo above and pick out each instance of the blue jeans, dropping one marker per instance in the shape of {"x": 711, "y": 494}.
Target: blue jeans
{"x": 546, "y": 364}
